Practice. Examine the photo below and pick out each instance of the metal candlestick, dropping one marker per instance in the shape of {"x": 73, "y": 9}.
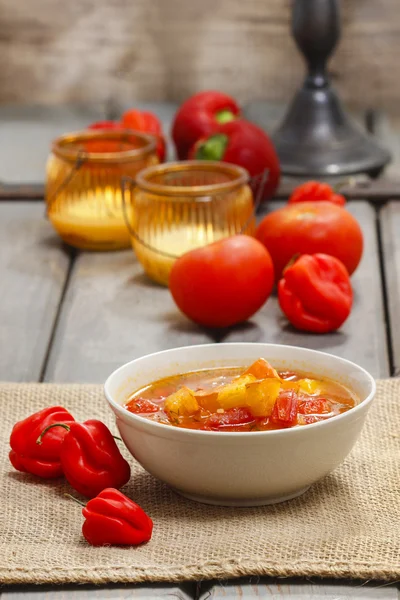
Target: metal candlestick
{"x": 317, "y": 138}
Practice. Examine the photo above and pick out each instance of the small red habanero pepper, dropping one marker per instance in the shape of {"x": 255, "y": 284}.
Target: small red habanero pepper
{"x": 199, "y": 116}
{"x": 241, "y": 143}
{"x": 315, "y": 191}
{"x": 315, "y": 293}
{"x": 138, "y": 120}
{"x": 114, "y": 519}
{"x": 90, "y": 458}
{"x": 44, "y": 460}
{"x": 146, "y": 122}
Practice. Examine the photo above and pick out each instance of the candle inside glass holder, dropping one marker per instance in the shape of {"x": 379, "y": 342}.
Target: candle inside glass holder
{"x": 83, "y": 191}
{"x": 181, "y": 206}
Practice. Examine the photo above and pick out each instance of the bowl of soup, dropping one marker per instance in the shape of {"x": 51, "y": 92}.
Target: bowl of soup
{"x": 240, "y": 424}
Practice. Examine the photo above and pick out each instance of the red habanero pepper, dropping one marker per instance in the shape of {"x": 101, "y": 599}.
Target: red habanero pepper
{"x": 146, "y": 122}
{"x": 90, "y": 458}
{"x": 199, "y": 116}
{"x": 315, "y": 191}
{"x": 114, "y": 519}
{"x": 44, "y": 460}
{"x": 315, "y": 293}
{"x": 242, "y": 143}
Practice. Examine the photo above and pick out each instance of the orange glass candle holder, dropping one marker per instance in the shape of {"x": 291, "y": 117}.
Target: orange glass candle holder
{"x": 176, "y": 207}
{"x": 83, "y": 189}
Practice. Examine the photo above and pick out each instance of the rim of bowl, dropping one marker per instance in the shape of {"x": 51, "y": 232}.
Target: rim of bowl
{"x": 239, "y": 177}
{"x": 185, "y": 432}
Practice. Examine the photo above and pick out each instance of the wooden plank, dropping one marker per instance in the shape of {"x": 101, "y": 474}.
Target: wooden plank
{"x": 356, "y": 341}
{"x": 112, "y": 313}
{"x": 138, "y": 50}
{"x": 27, "y": 132}
{"x": 386, "y": 127}
{"x": 277, "y": 589}
{"x": 111, "y": 592}
{"x": 33, "y": 271}
{"x": 376, "y": 191}
{"x": 390, "y": 236}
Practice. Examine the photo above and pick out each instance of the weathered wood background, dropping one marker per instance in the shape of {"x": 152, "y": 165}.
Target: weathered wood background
{"x": 102, "y": 51}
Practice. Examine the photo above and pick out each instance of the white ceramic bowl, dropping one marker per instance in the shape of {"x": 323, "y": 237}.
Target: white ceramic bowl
{"x": 239, "y": 469}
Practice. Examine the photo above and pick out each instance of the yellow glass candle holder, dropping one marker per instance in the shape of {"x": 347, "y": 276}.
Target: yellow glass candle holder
{"x": 177, "y": 207}
{"x": 83, "y": 190}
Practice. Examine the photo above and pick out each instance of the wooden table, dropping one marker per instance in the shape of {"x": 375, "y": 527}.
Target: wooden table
{"x": 69, "y": 316}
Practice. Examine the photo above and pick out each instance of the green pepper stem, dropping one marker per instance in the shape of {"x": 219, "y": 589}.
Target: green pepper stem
{"x": 67, "y": 427}
{"x": 75, "y": 499}
{"x": 224, "y": 116}
{"x": 213, "y": 148}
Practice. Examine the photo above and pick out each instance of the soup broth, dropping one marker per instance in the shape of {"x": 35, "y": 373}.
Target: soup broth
{"x": 255, "y": 398}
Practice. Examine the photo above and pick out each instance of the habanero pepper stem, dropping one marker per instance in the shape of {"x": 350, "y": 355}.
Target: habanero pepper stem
{"x": 75, "y": 499}
{"x": 39, "y": 440}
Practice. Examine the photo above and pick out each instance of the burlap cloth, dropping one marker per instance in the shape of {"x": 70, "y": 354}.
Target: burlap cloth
{"x": 347, "y": 525}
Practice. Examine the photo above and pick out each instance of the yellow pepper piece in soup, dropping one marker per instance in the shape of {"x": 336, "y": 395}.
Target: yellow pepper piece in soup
{"x": 234, "y": 394}
{"x": 261, "y": 396}
{"x": 181, "y": 403}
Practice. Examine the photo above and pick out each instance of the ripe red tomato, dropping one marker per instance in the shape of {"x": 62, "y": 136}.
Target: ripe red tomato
{"x": 311, "y": 228}
{"x": 223, "y": 283}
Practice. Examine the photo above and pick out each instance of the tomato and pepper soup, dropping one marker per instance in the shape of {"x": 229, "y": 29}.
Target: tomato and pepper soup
{"x": 254, "y": 398}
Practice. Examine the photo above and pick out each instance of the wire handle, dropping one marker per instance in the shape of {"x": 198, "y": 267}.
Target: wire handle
{"x": 257, "y": 185}
{"x": 79, "y": 162}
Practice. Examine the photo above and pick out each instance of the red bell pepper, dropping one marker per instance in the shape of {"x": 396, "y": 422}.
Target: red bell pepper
{"x": 315, "y": 293}
{"x": 90, "y": 458}
{"x": 199, "y": 116}
{"x": 146, "y": 122}
{"x": 315, "y": 191}
{"x": 230, "y": 418}
{"x": 142, "y": 405}
{"x": 44, "y": 460}
{"x": 242, "y": 143}
{"x": 114, "y": 519}
{"x": 284, "y": 412}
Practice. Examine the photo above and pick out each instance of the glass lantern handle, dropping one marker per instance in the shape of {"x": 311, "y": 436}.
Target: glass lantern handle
{"x": 129, "y": 182}
{"x": 80, "y": 161}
